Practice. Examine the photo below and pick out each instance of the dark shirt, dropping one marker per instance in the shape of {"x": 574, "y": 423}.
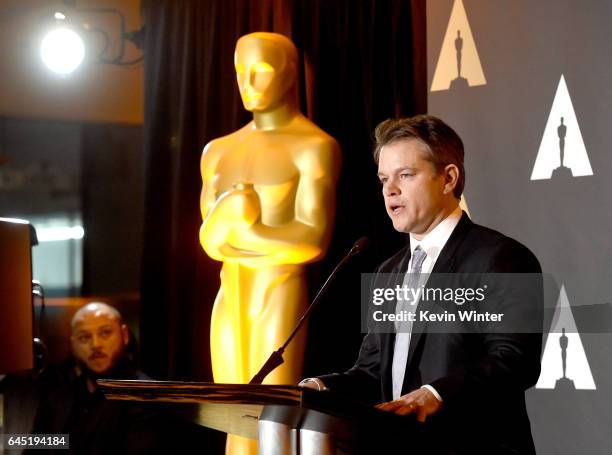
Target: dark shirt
{"x": 95, "y": 425}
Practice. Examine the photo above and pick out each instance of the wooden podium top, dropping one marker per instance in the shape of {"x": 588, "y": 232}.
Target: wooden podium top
{"x": 231, "y": 408}
{"x": 237, "y": 408}
{"x": 201, "y": 392}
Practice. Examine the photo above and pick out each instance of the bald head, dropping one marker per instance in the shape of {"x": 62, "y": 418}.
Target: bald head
{"x": 96, "y": 310}
{"x": 99, "y": 337}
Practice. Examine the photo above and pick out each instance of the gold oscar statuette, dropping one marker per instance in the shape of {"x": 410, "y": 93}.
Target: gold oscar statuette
{"x": 268, "y": 203}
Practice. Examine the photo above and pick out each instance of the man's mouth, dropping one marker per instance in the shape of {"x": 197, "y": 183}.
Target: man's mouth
{"x": 395, "y": 208}
{"x": 97, "y": 356}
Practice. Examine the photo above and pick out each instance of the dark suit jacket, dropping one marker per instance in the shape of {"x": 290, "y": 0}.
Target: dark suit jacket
{"x": 481, "y": 377}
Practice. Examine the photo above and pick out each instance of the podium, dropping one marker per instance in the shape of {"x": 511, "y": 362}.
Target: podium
{"x": 284, "y": 419}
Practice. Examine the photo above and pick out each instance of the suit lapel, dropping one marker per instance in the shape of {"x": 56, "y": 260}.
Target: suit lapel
{"x": 444, "y": 264}
{"x": 446, "y": 260}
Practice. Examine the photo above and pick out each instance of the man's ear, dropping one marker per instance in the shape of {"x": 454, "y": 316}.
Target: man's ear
{"x": 125, "y": 334}
{"x": 451, "y": 177}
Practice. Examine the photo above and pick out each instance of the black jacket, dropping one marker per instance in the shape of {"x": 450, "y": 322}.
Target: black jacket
{"x": 481, "y": 377}
{"x": 95, "y": 425}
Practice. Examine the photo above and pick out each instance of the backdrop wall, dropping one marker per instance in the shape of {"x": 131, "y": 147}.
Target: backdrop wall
{"x": 524, "y": 84}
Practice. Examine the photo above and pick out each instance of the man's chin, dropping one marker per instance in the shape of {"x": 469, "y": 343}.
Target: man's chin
{"x": 104, "y": 370}
{"x": 99, "y": 367}
{"x": 402, "y": 226}
{"x": 98, "y": 372}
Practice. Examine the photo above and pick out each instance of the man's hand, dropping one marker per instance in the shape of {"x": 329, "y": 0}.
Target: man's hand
{"x": 420, "y": 401}
{"x": 313, "y": 383}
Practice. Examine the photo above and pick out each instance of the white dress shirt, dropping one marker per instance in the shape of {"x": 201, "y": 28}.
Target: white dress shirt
{"x": 432, "y": 244}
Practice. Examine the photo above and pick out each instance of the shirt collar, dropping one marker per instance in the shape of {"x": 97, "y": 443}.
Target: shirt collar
{"x": 433, "y": 242}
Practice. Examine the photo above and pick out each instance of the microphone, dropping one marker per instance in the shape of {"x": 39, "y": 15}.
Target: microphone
{"x": 360, "y": 245}
{"x": 276, "y": 358}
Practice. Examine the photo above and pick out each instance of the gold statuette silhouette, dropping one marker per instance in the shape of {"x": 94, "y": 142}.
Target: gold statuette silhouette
{"x": 268, "y": 201}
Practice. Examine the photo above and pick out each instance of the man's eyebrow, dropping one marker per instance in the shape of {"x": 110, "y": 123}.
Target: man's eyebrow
{"x": 399, "y": 169}
{"x": 106, "y": 326}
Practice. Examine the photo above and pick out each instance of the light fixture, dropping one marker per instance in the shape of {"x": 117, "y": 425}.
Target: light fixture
{"x": 63, "y": 48}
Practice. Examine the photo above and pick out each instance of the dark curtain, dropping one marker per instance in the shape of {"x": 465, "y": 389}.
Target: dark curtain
{"x": 111, "y": 166}
{"x": 190, "y": 98}
{"x": 362, "y": 62}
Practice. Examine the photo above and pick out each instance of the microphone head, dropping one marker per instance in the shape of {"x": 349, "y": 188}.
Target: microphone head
{"x": 360, "y": 245}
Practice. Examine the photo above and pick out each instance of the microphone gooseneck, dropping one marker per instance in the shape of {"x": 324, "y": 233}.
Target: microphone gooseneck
{"x": 276, "y": 358}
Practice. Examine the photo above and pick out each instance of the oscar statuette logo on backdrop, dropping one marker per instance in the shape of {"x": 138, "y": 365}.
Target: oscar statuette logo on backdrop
{"x": 565, "y": 366}
{"x": 562, "y": 153}
{"x": 458, "y": 65}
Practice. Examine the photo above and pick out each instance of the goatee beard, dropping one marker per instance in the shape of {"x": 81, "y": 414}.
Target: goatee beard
{"x": 116, "y": 371}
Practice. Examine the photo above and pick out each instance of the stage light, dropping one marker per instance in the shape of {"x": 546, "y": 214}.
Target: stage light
{"x": 62, "y": 49}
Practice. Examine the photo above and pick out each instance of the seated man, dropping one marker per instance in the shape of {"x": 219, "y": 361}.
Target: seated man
{"x": 468, "y": 389}
{"x": 70, "y": 401}
{"x": 99, "y": 342}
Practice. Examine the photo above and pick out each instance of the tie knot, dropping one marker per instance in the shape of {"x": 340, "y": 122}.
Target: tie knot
{"x": 418, "y": 256}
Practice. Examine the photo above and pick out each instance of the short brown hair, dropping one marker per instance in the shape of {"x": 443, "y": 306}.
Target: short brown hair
{"x": 442, "y": 144}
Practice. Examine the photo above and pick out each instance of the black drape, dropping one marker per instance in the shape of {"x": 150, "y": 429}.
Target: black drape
{"x": 362, "y": 62}
{"x": 190, "y": 98}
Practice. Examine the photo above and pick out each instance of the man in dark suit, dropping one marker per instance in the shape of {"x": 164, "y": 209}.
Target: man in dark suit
{"x": 467, "y": 388}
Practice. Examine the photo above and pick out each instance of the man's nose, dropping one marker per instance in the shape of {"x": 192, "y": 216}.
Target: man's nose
{"x": 96, "y": 341}
{"x": 390, "y": 188}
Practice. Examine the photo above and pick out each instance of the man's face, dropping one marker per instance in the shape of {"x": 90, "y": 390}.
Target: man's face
{"x": 98, "y": 340}
{"x": 414, "y": 191}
